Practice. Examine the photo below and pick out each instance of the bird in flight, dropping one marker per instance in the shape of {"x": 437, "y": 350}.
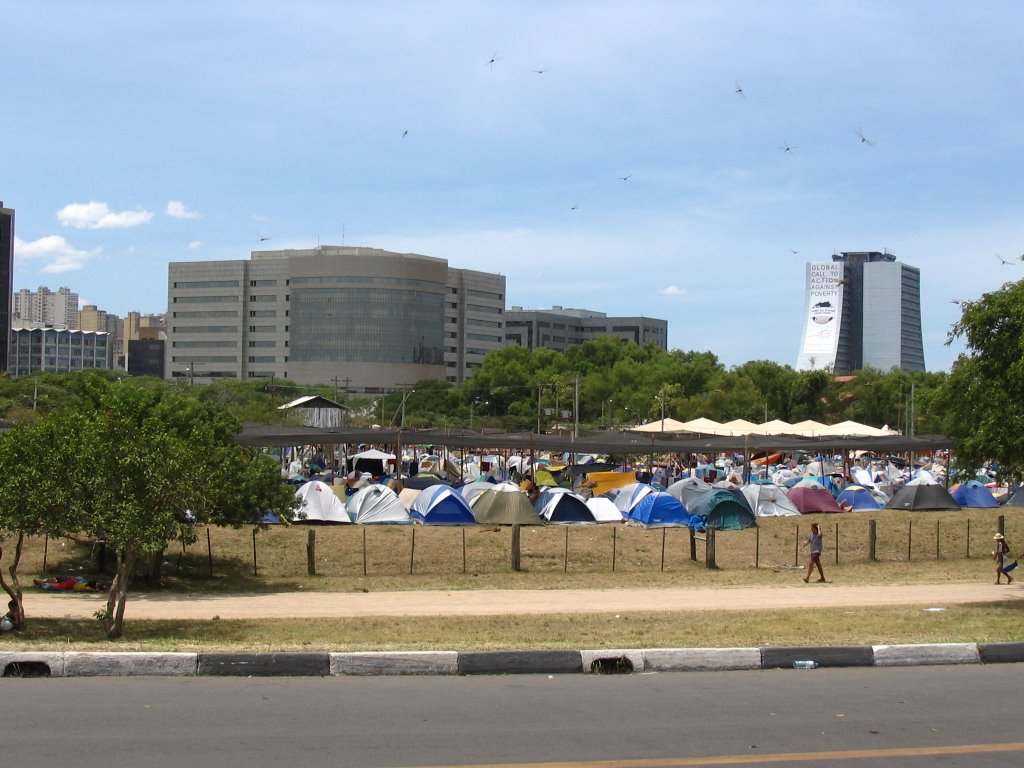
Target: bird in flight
{"x": 574, "y": 208}
{"x": 955, "y": 301}
{"x": 626, "y": 177}
{"x": 864, "y": 139}
{"x": 793, "y": 251}
{"x": 786, "y": 148}
{"x": 490, "y": 62}
{"x": 405, "y": 133}
{"x": 540, "y": 71}
{"x": 739, "y": 91}
{"x": 262, "y": 238}
{"x": 1002, "y": 260}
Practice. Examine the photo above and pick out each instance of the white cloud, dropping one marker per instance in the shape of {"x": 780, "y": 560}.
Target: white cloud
{"x": 177, "y": 210}
{"x": 672, "y": 290}
{"x": 93, "y": 215}
{"x": 196, "y": 244}
{"x": 55, "y": 251}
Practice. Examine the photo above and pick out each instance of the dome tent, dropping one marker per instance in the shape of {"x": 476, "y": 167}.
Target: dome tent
{"x": 319, "y": 504}
{"x": 441, "y": 505}
{"x": 922, "y": 494}
{"x": 659, "y": 510}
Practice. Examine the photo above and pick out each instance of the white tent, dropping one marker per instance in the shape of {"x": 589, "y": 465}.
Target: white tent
{"x": 702, "y": 426}
{"x": 377, "y": 504}
{"x": 769, "y": 500}
{"x": 604, "y": 510}
{"x": 662, "y": 425}
{"x": 319, "y": 504}
{"x": 738, "y": 427}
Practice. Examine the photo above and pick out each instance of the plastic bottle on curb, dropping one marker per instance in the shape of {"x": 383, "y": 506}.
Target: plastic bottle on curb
{"x": 805, "y": 664}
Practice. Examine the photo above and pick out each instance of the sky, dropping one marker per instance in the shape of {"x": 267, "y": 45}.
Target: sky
{"x": 680, "y": 160}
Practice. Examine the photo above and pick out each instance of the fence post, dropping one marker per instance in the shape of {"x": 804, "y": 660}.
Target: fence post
{"x": 614, "y": 532}
{"x": 515, "y": 548}
{"x": 910, "y": 537}
{"x": 837, "y": 543}
{"x": 254, "y": 571}
{"x": 693, "y": 543}
{"x": 796, "y": 548}
{"x": 1002, "y": 524}
{"x": 311, "y": 551}
{"x": 663, "y": 530}
{"x": 364, "y": 550}
{"x": 757, "y": 547}
{"x": 46, "y": 549}
{"x": 937, "y": 523}
{"x": 968, "y": 538}
{"x": 565, "y": 557}
{"x": 709, "y": 548}
{"x": 463, "y": 549}
{"x": 412, "y": 550}
{"x": 872, "y": 540}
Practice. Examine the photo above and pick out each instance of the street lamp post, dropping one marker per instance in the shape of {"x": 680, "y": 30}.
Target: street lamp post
{"x": 661, "y": 402}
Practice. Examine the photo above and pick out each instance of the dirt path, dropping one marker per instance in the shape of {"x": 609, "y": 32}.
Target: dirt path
{"x": 492, "y": 602}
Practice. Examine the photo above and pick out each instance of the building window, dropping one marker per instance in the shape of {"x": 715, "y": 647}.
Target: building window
{"x": 206, "y": 313}
{"x": 205, "y": 329}
{"x": 204, "y": 299}
{"x": 208, "y": 284}
{"x": 262, "y": 328}
{"x": 262, "y": 313}
{"x": 263, "y": 297}
{"x": 262, "y": 283}
{"x": 263, "y": 343}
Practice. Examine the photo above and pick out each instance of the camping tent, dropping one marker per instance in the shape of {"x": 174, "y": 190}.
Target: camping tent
{"x": 769, "y": 500}
{"x": 373, "y": 461}
{"x": 377, "y": 504}
{"x": 974, "y": 494}
{"x": 441, "y": 505}
{"x": 505, "y": 504}
{"x": 725, "y": 512}
{"x": 920, "y": 494}
{"x": 604, "y": 510}
{"x": 319, "y": 504}
{"x": 859, "y": 499}
{"x": 809, "y": 497}
{"x": 659, "y": 510}
{"x": 471, "y": 490}
{"x": 560, "y": 505}
{"x": 628, "y": 496}
{"x": 691, "y": 491}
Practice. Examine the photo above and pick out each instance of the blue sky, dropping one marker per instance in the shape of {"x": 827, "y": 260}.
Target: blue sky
{"x": 629, "y": 176}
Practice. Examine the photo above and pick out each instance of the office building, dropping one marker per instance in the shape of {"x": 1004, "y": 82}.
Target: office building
{"x": 58, "y": 350}
{"x": 364, "y": 319}
{"x": 45, "y": 307}
{"x": 862, "y": 309}
{"x": 146, "y": 357}
{"x": 6, "y": 282}
{"x": 562, "y": 327}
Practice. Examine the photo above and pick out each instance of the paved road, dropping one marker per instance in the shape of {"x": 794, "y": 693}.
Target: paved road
{"x": 863, "y": 718}
{"x": 491, "y": 602}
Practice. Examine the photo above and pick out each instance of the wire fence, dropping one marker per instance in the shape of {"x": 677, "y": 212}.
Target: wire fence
{"x": 385, "y": 550}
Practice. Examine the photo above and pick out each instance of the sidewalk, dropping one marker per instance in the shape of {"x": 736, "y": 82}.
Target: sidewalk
{"x": 300, "y": 604}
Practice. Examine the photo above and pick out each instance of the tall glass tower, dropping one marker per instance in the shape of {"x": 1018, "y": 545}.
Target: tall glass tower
{"x": 863, "y": 309}
{"x": 7, "y": 283}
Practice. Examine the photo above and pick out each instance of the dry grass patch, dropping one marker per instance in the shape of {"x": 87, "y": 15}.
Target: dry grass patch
{"x": 995, "y": 622}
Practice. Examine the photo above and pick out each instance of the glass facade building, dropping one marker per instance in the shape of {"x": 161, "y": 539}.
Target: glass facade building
{"x": 364, "y": 319}
{"x": 59, "y": 350}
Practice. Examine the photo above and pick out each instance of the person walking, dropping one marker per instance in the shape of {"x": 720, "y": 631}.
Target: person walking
{"x": 814, "y": 542}
{"x": 1000, "y": 555}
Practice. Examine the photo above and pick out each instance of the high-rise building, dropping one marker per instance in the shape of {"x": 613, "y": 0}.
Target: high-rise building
{"x": 46, "y": 307}
{"x": 6, "y": 282}
{"x": 561, "y": 327}
{"x": 862, "y": 309}
{"x": 363, "y": 318}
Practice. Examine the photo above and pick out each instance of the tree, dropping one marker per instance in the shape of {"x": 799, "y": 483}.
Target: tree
{"x": 38, "y": 488}
{"x": 153, "y": 463}
{"x": 982, "y": 399}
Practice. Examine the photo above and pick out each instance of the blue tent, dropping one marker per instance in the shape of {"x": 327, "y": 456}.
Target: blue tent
{"x": 725, "y": 512}
{"x": 441, "y": 505}
{"x": 857, "y": 497}
{"x": 974, "y": 494}
{"x": 659, "y": 510}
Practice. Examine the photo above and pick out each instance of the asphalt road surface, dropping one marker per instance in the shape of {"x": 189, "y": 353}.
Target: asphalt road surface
{"x": 865, "y": 717}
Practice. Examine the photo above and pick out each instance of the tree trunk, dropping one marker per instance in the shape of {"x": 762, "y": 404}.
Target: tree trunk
{"x": 113, "y": 617}
{"x": 13, "y": 586}
{"x": 154, "y": 571}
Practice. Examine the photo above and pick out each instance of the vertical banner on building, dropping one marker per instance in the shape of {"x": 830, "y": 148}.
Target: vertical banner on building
{"x": 823, "y": 310}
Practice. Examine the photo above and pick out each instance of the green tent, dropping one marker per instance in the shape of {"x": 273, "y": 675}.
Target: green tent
{"x": 505, "y": 507}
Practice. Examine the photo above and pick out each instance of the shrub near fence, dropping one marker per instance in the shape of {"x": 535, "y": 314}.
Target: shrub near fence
{"x": 384, "y": 550}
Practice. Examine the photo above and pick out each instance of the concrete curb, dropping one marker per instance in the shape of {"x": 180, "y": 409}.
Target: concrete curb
{"x": 1001, "y": 653}
{"x": 915, "y": 655}
{"x": 264, "y": 664}
{"x": 520, "y": 663}
{"x": 823, "y": 656}
{"x": 551, "y": 662}
{"x": 395, "y": 663}
{"x": 701, "y": 659}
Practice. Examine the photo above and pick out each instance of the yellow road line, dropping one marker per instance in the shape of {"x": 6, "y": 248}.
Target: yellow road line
{"x": 755, "y": 759}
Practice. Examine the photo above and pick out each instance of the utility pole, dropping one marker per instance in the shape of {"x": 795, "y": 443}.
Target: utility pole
{"x": 576, "y": 409}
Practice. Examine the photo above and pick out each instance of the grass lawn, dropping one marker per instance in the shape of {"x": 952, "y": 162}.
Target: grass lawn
{"x": 922, "y": 547}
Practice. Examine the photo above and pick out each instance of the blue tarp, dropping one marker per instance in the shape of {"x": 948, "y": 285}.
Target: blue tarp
{"x": 974, "y": 494}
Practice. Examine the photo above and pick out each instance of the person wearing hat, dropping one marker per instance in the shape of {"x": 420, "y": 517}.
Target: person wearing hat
{"x": 1002, "y": 550}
